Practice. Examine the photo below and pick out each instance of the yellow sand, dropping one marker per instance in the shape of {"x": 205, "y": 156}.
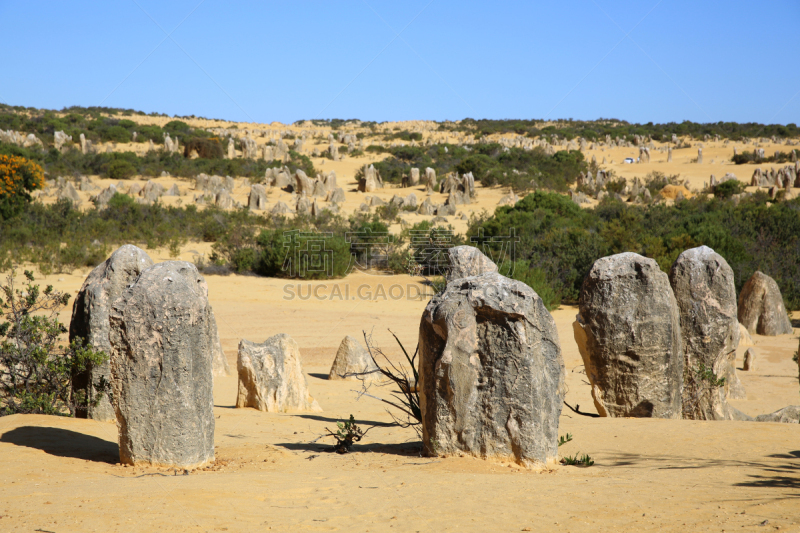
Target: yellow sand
{"x": 59, "y": 474}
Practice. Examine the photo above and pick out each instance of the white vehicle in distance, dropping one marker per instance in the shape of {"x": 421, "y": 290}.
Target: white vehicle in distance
{"x": 628, "y": 160}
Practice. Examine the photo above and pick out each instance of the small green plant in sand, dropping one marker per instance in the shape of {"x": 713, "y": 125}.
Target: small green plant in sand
{"x": 577, "y": 460}
{"x": 564, "y": 439}
{"x": 346, "y": 434}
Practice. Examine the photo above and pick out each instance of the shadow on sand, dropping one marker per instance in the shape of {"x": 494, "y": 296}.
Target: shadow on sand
{"x": 404, "y": 449}
{"x": 64, "y": 443}
{"x": 775, "y": 471}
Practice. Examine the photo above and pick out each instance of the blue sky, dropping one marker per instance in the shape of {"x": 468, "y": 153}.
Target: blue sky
{"x": 641, "y": 61}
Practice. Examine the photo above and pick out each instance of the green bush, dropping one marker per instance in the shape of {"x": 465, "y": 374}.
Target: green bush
{"x": 726, "y": 189}
{"x": 35, "y": 371}
{"x": 121, "y": 170}
{"x": 73, "y": 162}
{"x": 564, "y": 241}
{"x": 491, "y": 164}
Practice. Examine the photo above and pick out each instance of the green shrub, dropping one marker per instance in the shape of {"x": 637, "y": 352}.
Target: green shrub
{"x": 35, "y": 371}
{"x": 121, "y": 170}
{"x": 726, "y": 189}
{"x": 564, "y": 241}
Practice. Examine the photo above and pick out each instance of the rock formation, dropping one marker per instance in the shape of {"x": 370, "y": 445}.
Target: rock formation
{"x": 413, "y": 178}
{"x": 491, "y": 375}
{"x": 702, "y": 282}
{"x": 90, "y": 321}
{"x": 629, "y": 336}
{"x": 430, "y": 180}
{"x": 352, "y": 358}
{"x": 257, "y": 199}
{"x": 787, "y": 415}
{"x": 465, "y": 261}
{"x": 371, "y": 181}
{"x": 761, "y": 308}
{"x": 271, "y": 378}
{"x": 161, "y": 361}
{"x": 749, "y": 360}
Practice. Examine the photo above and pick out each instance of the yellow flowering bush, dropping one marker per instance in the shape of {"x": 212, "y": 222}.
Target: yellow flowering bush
{"x": 18, "y": 177}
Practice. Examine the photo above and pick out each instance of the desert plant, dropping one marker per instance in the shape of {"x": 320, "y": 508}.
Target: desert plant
{"x": 726, "y": 189}
{"x": 406, "y": 400}
{"x": 346, "y": 434}
{"x": 35, "y": 370}
{"x": 707, "y": 374}
{"x": 564, "y": 439}
{"x": 577, "y": 460}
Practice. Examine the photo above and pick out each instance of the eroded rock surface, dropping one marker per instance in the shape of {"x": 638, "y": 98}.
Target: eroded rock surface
{"x": 761, "y": 308}
{"x": 271, "y": 377}
{"x": 629, "y": 336}
{"x": 491, "y": 373}
{"x": 90, "y": 320}
{"x": 702, "y": 282}
{"x": 162, "y": 350}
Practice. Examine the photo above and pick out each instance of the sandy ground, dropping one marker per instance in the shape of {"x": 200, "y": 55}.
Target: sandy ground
{"x": 59, "y": 474}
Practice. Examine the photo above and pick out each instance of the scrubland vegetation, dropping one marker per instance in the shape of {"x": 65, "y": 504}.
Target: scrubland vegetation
{"x": 598, "y": 129}
{"x": 124, "y": 165}
{"x": 490, "y": 163}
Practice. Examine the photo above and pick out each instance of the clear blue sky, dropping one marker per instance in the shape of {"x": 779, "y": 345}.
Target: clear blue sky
{"x": 641, "y": 61}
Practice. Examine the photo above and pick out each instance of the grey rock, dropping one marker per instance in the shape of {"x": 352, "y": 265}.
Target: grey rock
{"x": 787, "y": 415}
{"x": 414, "y": 177}
{"x": 161, "y": 360}
{"x": 703, "y": 284}
{"x": 152, "y": 191}
{"x": 86, "y": 185}
{"x": 303, "y": 206}
{"x": 749, "y": 359}
{"x": 271, "y": 377}
{"x": 105, "y": 195}
{"x": 223, "y": 200}
{"x": 761, "y": 308}
{"x": 336, "y": 195}
{"x": 430, "y": 180}
{"x": 371, "y": 180}
{"x": 465, "y": 261}
{"x": 445, "y": 210}
{"x": 173, "y": 191}
{"x": 257, "y": 199}
{"x": 352, "y": 358}
{"x": 629, "y": 336}
{"x": 68, "y": 192}
{"x": 280, "y": 208}
{"x": 219, "y": 363}
{"x": 491, "y": 375}
{"x": 90, "y": 320}
{"x": 304, "y": 186}
{"x": 426, "y": 208}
